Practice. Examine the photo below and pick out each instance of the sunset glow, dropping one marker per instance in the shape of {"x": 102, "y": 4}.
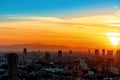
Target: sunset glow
{"x": 59, "y": 39}
{"x": 74, "y": 32}
{"x": 72, "y": 25}
{"x": 114, "y": 40}
{"x": 114, "y": 37}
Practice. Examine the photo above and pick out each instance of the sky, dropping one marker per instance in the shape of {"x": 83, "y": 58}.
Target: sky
{"x": 55, "y": 8}
{"x": 73, "y": 23}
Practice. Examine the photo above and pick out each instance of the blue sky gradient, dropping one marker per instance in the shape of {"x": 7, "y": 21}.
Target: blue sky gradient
{"x": 55, "y": 8}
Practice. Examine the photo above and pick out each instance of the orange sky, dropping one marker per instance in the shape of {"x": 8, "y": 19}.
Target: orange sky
{"x": 87, "y": 31}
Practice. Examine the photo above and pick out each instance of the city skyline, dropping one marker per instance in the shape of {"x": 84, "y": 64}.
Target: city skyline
{"x": 72, "y": 23}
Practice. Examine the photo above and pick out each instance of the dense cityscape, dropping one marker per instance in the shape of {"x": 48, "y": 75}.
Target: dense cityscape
{"x": 60, "y": 65}
{"x": 59, "y": 39}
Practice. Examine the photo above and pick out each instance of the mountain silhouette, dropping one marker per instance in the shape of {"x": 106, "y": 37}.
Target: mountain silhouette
{"x": 32, "y": 46}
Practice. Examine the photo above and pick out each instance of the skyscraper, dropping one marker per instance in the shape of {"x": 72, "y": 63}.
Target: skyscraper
{"x": 109, "y": 53}
{"x": 12, "y": 61}
{"x": 118, "y": 53}
{"x": 96, "y": 52}
{"x": 24, "y": 53}
{"x": 103, "y": 52}
{"x": 70, "y": 52}
{"x": 59, "y": 53}
{"x": 47, "y": 55}
{"x": 117, "y": 56}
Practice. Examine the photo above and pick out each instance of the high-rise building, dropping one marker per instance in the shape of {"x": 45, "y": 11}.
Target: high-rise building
{"x": 47, "y": 55}
{"x": 118, "y": 53}
{"x": 59, "y": 53}
{"x": 24, "y": 53}
{"x": 103, "y": 52}
{"x": 70, "y": 52}
{"x": 109, "y": 53}
{"x": 12, "y": 61}
{"x": 117, "y": 57}
{"x": 110, "y": 60}
{"x": 97, "y": 52}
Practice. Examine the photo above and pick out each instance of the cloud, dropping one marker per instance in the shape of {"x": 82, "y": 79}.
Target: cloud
{"x": 98, "y": 21}
{"x": 105, "y": 22}
{"x": 30, "y": 18}
{"x": 101, "y": 20}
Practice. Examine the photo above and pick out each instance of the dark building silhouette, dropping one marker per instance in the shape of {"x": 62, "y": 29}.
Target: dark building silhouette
{"x": 109, "y": 53}
{"x": 70, "y": 52}
{"x": 117, "y": 57}
{"x": 12, "y": 61}
{"x": 47, "y": 55}
{"x": 109, "y": 58}
{"x": 96, "y": 52}
{"x": 59, "y": 53}
{"x": 25, "y": 51}
{"x": 103, "y": 52}
{"x": 118, "y": 53}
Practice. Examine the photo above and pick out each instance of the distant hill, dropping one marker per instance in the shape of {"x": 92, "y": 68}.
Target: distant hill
{"x": 33, "y": 46}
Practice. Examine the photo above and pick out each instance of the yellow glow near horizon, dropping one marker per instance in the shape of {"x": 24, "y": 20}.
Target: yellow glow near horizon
{"x": 114, "y": 40}
{"x": 114, "y": 37}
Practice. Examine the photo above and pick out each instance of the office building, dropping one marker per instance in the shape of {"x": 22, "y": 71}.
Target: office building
{"x": 47, "y": 55}
{"x": 59, "y": 53}
{"x": 12, "y": 61}
{"x": 96, "y": 52}
{"x": 103, "y": 52}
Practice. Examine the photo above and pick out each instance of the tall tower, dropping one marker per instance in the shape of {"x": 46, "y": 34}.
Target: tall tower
{"x": 47, "y": 55}
{"x": 70, "y": 52}
{"x": 59, "y": 53}
{"x": 12, "y": 61}
{"x": 24, "y": 53}
{"x": 96, "y": 52}
{"x": 103, "y": 52}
